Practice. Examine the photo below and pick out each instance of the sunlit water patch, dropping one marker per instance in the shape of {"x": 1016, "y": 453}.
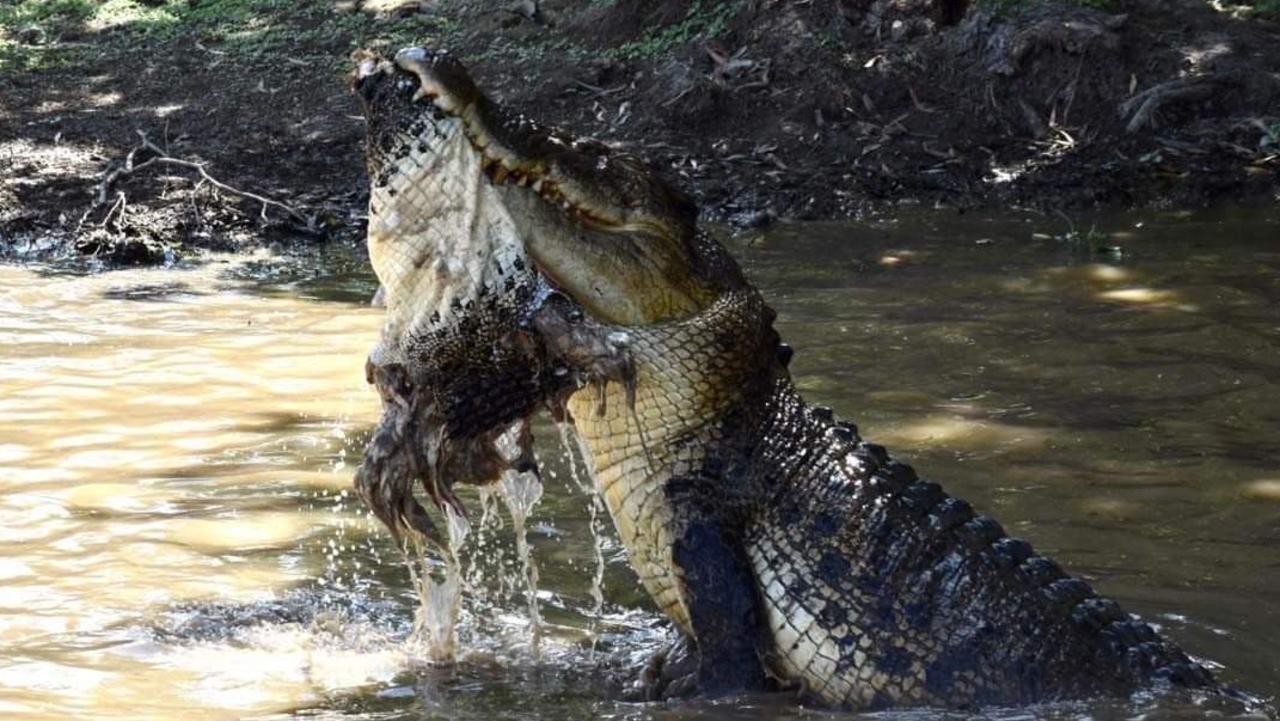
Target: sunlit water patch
{"x": 178, "y": 538}
{"x": 162, "y": 449}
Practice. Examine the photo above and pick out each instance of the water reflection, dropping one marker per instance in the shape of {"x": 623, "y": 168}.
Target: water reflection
{"x": 178, "y": 539}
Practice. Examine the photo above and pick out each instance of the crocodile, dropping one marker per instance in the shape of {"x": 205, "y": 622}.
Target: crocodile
{"x": 789, "y": 551}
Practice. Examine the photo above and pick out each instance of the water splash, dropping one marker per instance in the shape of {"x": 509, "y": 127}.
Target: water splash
{"x": 439, "y": 584}
{"x": 597, "y": 537}
{"x": 487, "y": 583}
{"x": 521, "y": 492}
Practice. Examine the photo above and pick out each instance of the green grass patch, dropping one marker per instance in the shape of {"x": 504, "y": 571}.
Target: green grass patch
{"x": 27, "y": 30}
{"x": 1017, "y": 4}
{"x": 1271, "y": 7}
{"x": 705, "y": 19}
{"x": 42, "y": 34}
{"x": 46, "y": 14}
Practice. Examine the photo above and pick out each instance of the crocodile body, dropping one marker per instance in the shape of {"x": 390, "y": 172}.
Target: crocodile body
{"x": 786, "y": 547}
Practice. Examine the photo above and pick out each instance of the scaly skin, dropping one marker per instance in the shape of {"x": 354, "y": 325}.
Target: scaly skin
{"x": 772, "y": 535}
{"x": 870, "y": 587}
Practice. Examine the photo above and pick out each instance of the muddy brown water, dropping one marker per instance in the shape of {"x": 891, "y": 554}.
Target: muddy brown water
{"x": 176, "y": 447}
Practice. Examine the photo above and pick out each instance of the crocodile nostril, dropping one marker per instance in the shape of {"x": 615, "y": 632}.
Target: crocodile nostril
{"x": 785, "y": 354}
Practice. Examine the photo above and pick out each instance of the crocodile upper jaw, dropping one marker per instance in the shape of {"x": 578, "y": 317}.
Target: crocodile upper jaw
{"x": 597, "y": 223}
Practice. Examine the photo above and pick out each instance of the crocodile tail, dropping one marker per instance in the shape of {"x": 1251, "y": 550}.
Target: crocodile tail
{"x": 1133, "y": 643}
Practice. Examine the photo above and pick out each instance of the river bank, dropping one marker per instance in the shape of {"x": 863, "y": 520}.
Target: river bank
{"x": 143, "y": 133}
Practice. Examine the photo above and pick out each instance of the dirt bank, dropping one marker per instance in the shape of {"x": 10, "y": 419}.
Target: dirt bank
{"x": 764, "y": 109}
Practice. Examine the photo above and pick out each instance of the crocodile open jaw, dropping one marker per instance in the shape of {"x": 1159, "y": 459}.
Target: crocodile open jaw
{"x": 595, "y": 221}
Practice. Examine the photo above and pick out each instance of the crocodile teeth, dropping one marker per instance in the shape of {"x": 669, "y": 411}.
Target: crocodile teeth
{"x": 500, "y": 174}
{"x": 537, "y": 185}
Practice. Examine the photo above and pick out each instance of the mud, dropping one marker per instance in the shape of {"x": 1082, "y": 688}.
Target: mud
{"x": 819, "y": 110}
{"x": 763, "y": 109}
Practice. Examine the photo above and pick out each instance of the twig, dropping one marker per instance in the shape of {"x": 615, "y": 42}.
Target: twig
{"x": 117, "y": 209}
{"x": 935, "y": 152}
{"x": 916, "y": 102}
{"x": 211, "y": 51}
{"x": 1071, "y": 96}
{"x": 677, "y": 97}
{"x": 597, "y": 91}
{"x": 1181, "y": 147}
{"x": 1070, "y": 225}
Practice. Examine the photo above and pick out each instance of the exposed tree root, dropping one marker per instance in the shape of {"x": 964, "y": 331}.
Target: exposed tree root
{"x": 1144, "y": 105}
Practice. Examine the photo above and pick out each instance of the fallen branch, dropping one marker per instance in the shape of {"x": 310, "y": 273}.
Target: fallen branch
{"x": 730, "y": 67}
{"x": 597, "y": 91}
{"x": 1144, "y": 105}
{"x": 915, "y": 101}
{"x": 160, "y": 156}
